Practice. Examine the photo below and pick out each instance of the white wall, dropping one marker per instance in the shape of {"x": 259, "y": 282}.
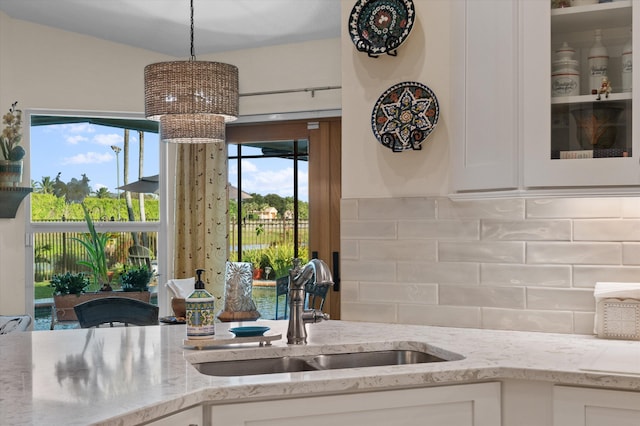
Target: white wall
{"x": 370, "y": 169}
{"x": 46, "y": 68}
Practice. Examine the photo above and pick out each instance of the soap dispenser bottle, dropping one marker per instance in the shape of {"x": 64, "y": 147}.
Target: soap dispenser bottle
{"x": 200, "y": 311}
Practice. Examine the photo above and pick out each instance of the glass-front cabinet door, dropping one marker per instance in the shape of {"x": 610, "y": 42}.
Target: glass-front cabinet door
{"x": 578, "y": 81}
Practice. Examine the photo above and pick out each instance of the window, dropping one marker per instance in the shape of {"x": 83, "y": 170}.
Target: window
{"x": 110, "y": 164}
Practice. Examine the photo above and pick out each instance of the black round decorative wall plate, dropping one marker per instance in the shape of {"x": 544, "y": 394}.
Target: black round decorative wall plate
{"x": 404, "y": 115}
{"x": 380, "y": 26}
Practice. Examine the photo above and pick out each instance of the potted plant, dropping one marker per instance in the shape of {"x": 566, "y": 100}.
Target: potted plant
{"x": 94, "y": 244}
{"x": 68, "y": 289}
{"x": 136, "y": 279}
{"x": 12, "y": 152}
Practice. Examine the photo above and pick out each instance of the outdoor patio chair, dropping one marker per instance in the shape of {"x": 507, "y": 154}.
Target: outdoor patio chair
{"x": 94, "y": 313}
{"x": 13, "y": 323}
{"x": 282, "y": 288}
{"x": 140, "y": 256}
{"x": 316, "y": 295}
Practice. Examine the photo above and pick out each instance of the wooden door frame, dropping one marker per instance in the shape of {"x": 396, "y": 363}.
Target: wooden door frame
{"x": 324, "y": 136}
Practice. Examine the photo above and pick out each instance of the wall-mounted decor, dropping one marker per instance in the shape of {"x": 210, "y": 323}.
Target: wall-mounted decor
{"x": 380, "y": 26}
{"x": 404, "y": 116}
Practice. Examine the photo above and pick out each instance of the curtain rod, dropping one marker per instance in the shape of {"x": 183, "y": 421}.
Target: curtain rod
{"x": 313, "y": 91}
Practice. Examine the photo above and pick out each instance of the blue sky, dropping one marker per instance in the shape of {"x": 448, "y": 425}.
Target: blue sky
{"x": 74, "y": 149}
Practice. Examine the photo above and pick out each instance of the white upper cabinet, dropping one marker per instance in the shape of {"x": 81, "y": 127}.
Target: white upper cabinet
{"x": 484, "y": 36}
{"x": 572, "y": 139}
{"x": 525, "y": 114}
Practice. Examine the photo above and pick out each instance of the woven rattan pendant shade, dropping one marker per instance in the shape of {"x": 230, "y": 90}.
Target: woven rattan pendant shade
{"x": 191, "y": 87}
{"x": 192, "y": 99}
{"x": 191, "y": 96}
{"x": 192, "y": 128}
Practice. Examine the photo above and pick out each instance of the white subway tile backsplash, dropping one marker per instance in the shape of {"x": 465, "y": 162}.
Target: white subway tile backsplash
{"x": 419, "y": 250}
{"x": 588, "y": 276}
{"x": 440, "y": 273}
{"x": 349, "y": 249}
{"x": 497, "y": 297}
{"x": 606, "y": 230}
{"x": 525, "y": 275}
{"x": 439, "y": 229}
{"x": 526, "y": 230}
{"x": 397, "y": 208}
{"x": 630, "y": 207}
{"x": 527, "y": 320}
{"x": 473, "y": 251}
{"x": 573, "y": 208}
{"x": 438, "y": 315}
{"x": 631, "y": 254}
{"x": 481, "y": 209}
{"x": 349, "y": 291}
{"x": 370, "y": 312}
{"x": 561, "y": 299}
{"x": 517, "y": 264}
{"x": 398, "y": 292}
{"x": 574, "y": 253}
{"x": 348, "y": 209}
{"x": 583, "y": 322}
{"x": 368, "y": 270}
{"x": 377, "y": 229}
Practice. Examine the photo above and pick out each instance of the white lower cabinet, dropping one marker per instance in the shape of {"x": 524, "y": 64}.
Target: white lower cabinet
{"x": 574, "y": 406}
{"x": 460, "y": 405}
{"x": 190, "y": 417}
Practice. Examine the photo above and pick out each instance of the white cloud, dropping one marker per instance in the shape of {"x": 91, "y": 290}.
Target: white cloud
{"x": 248, "y": 167}
{"x": 108, "y": 139}
{"x": 88, "y": 158}
{"x": 75, "y": 139}
{"x": 78, "y": 128}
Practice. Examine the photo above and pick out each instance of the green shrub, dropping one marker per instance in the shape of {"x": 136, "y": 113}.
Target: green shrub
{"x": 136, "y": 279}
{"x": 69, "y": 283}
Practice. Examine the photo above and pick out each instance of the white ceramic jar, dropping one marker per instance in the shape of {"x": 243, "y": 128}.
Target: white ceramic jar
{"x": 565, "y": 77}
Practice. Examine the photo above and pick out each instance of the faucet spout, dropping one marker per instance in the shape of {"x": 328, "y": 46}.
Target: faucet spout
{"x": 315, "y": 272}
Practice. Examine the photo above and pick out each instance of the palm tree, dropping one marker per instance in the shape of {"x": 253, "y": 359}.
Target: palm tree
{"x": 44, "y": 186}
{"x": 103, "y": 192}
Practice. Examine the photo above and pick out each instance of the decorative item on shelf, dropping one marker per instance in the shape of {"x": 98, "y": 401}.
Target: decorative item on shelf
{"x": 12, "y": 152}
{"x": 627, "y": 66}
{"x": 200, "y": 311}
{"x": 598, "y": 60}
{"x": 238, "y": 302}
{"x": 605, "y": 88}
{"x": 404, "y": 116}
{"x": 596, "y": 124}
{"x": 191, "y": 99}
{"x": 565, "y": 78}
{"x": 380, "y": 26}
{"x": 556, "y": 4}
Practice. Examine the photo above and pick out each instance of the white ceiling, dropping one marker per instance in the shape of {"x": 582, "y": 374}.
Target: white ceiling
{"x": 163, "y": 25}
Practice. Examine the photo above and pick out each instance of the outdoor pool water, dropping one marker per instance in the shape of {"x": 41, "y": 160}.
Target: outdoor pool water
{"x": 264, "y": 298}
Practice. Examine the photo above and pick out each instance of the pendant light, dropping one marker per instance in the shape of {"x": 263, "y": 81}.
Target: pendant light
{"x": 192, "y": 99}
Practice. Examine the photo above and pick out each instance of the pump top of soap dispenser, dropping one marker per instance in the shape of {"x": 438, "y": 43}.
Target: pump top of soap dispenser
{"x": 199, "y": 285}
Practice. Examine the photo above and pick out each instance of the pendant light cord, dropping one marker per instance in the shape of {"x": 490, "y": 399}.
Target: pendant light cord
{"x": 193, "y": 56}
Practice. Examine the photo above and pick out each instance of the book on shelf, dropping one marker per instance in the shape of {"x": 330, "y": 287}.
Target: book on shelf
{"x": 590, "y": 153}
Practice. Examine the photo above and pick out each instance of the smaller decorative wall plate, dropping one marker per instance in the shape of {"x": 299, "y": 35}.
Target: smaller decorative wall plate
{"x": 380, "y": 26}
{"x": 404, "y": 116}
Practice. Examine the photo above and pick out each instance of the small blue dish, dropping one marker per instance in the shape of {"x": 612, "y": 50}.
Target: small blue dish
{"x": 249, "y": 331}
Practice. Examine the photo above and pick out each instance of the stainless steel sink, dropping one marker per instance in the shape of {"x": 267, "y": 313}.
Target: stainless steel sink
{"x": 292, "y": 364}
{"x": 249, "y": 367}
{"x": 372, "y": 359}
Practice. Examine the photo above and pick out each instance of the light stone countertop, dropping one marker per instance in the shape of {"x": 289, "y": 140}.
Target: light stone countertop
{"x": 131, "y": 375}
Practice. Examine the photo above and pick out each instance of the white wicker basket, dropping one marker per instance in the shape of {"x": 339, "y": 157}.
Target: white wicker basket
{"x": 618, "y": 319}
